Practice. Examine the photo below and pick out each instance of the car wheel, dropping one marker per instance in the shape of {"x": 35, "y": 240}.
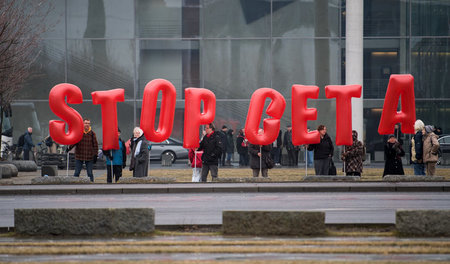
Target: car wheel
{"x": 171, "y": 153}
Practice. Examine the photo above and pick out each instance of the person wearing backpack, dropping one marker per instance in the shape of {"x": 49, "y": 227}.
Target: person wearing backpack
{"x": 27, "y": 143}
{"x": 353, "y": 156}
{"x": 430, "y": 150}
{"x": 417, "y": 148}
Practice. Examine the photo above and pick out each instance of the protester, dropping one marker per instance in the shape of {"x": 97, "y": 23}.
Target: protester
{"x": 242, "y": 148}
{"x": 260, "y": 158}
{"x": 352, "y": 156}
{"x": 195, "y": 158}
{"x": 139, "y": 153}
{"x": 27, "y": 143}
{"x": 309, "y": 155}
{"x": 223, "y": 139}
{"x": 230, "y": 146}
{"x": 51, "y": 145}
{"x": 393, "y": 152}
{"x": 323, "y": 152}
{"x": 430, "y": 150}
{"x": 86, "y": 150}
{"x": 277, "y": 147}
{"x": 118, "y": 158}
{"x": 292, "y": 150}
{"x": 211, "y": 145}
{"x": 417, "y": 148}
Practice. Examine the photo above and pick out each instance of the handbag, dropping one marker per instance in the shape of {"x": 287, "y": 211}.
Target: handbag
{"x": 269, "y": 162}
{"x": 332, "y": 168}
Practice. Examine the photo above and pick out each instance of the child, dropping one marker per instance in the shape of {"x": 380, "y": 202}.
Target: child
{"x": 195, "y": 157}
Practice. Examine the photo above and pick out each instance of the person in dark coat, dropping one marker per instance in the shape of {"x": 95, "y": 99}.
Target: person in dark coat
{"x": 352, "y": 156}
{"x": 212, "y": 149}
{"x": 223, "y": 139}
{"x": 417, "y": 148}
{"x": 393, "y": 152}
{"x": 323, "y": 152}
{"x": 118, "y": 157}
{"x": 242, "y": 148}
{"x": 258, "y": 156}
{"x": 139, "y": 154}
{"x": 230, "y": 146}
{"x": 28, "y": 143}
{"x": 292, "y": 150}
{"x": 277, "y": 146}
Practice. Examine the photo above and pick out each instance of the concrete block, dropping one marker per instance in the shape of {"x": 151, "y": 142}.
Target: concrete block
{"x": 25, "y": 165}
{"x": 273, "y": 223}
{"x": 49, "y": 170}
{"x": 412, "y": 178}
{"x": 424, "y": 223}
{"x": 91, "y": 221}
{"x": 139, "y": 180}
{"x": 8, "y": 170}
{"x": 61, "y": 180}
{"x": 330, "y": 178}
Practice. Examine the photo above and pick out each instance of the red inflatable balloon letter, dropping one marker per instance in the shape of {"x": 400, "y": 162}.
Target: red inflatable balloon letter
{"x": 399, "y": 85}
{"x": 301, "y": 114}
{"x": 167, "y": 113}
{"x": 108, "y": 100}
{"x": 343, "y": 95}
{"x": 271, "y": 125}
{"x": 57, "y": 128}
{"x": 193, "y": 118}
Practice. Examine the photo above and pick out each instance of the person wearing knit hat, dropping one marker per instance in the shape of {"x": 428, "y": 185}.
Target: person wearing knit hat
{"x": 393, "y": 153}
{"x": 430, "y": 150}
{"x": 417, "y": 148}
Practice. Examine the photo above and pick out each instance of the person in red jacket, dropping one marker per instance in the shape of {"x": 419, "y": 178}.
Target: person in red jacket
{"x": 195, "y": 157}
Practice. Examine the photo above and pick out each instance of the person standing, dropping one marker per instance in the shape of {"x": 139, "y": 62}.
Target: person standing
{"x": 292, "y": 150}
{"x": 393, "y": 152}
{"x": 430, "y": 150}
{"x": 195, "y": 157}
{"x": 211, "y": 145}
{"x": 118, "y": 157}
{"x": 258, "y": 158}
{"x": 139, "y": 153}
{"x": 309, "y": 155}
{"x": 86, "y": 150}
{"x": 27, "y": 143}
{"x": 323, "y": 152}
{"x": 417, "y": 148}
{"x": 242, "y": 148}
{"x": 352, "y": 156}
{"x": 223, "y": 139}
{"x": 277, "y": 146}
{"x": 230, "y": 146}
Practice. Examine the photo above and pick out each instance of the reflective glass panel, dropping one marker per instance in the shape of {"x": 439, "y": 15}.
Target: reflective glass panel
{"x": 386, "y": 18}
{"x": 430, "y": 18}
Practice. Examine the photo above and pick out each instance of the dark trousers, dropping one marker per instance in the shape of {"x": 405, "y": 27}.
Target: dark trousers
{"x": 275, "y": 154}
{"x": 243, "y": 159}
{"x": 89, "y": 166}
{"x": 353, "y": 174}
{"x": 26, "y": 154}
{"x": 223, "y": 157}
{"x": 205, "y": 170}
{"x": 321, "y": 166}
{"x": 293, "y": 157}
{"x": 117, "y": 172}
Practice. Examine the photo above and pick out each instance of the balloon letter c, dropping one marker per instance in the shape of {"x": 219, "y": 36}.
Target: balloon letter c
{"x": 193, "y": 118}
{"x": 255, "y": 110}
{"x": 399, "y": 85}
{"x": 301, "y": 114}
{"x": 56, "y": 100}
{"x": 343, "y": 95}
{"x": 108, "y": 101}
{"x": 166, "y": 116}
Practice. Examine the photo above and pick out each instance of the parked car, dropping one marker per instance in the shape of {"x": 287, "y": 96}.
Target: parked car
{"x": 444, "y": 143}
{"x": 170, "y": 146}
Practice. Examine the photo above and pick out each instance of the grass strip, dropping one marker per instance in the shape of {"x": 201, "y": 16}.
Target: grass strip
{"x": 240, "y": 262}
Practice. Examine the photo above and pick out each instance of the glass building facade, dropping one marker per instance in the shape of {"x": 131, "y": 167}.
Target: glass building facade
{"x": 233, "y": 47}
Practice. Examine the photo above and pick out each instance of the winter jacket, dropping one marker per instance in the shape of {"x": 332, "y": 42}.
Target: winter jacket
{"x": 212, "y": 148}
{"x": 253, "y": 150}
{"x": 27, "y": 141}
{"x": 430, "y": 147}
{"x": 224, "y": 140}
{"x": 119, "y": 156}
{"x": 417, "y": 148}
{"x": 279, "y": 141}
{"x": 288, "y": 140}
{"x": 324, "y": 149}
{"x": 239, "y": 146}
{"x": 195, "y": 158}
{"x": 393, "y": 163}
{"x": 139, "y": 162}
{"x": 87, "y": 147}
{"x": 230, "y": 141}
{"x": 352, "y": 156}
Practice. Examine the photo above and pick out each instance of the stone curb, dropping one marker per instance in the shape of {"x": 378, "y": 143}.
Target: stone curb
{"x": 224, "y": 188}
{"x": 423, "y": 223}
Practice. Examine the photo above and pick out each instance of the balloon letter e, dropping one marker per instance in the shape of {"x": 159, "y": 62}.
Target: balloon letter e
{"x": 301, "y": 114}
{"x": 57, "y": 128}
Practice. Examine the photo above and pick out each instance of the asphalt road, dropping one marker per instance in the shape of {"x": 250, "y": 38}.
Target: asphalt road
{"x": 206, "y": 208}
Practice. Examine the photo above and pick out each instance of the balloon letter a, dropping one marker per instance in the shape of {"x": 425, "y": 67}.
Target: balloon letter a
{"x": 166, "y": 116}
{"x": 399, "y": 85}
{"x": 255, "y": 110}
{"x": 108, "y": 100}
{"x": 57, "y": 128}
{"x": 193, "y": 118}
